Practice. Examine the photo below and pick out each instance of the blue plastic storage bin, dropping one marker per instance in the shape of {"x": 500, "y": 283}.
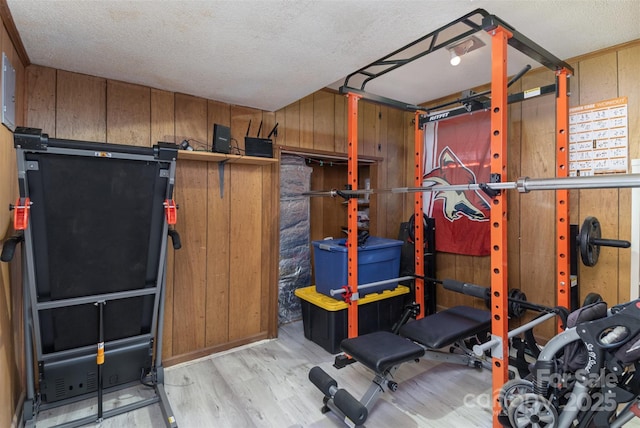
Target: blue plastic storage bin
{"x": 378, "y": 259}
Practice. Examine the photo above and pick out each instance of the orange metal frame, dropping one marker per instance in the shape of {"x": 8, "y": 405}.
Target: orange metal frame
{"x": 418, "y": 213}
{"x": 563, "y": 281}
{"x": 352, "y": 211}
{"x": 499, "y": 254}
{"x": 498, "y": 217}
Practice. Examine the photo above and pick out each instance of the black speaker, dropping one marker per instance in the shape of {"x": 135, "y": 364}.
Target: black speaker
{"x": 221, "y": 139}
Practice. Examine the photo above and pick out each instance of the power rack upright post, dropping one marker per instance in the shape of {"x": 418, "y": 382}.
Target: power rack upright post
{"x": 352, "y": 213}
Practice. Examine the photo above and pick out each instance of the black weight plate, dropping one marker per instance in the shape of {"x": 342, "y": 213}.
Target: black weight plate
{"x": 590, "y": 230}
{"x": 515, "y": 309}
{"x": 591, "y": 298}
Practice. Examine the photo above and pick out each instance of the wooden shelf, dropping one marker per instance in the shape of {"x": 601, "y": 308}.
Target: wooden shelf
{"x": 219, "y": 157}
{"x": 328, "y": 156}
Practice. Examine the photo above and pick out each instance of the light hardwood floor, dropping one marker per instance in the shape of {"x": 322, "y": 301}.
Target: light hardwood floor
{"x": 266, "y": 385}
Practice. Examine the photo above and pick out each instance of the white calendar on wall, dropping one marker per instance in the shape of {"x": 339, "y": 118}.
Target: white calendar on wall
{"x": 599, "y": 138}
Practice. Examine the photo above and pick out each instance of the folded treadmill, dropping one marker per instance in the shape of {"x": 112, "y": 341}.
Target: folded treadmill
{"x": 93, "y": 220}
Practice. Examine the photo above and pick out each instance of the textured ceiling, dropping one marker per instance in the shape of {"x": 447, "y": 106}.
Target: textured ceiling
{"x": 267, "y": 54}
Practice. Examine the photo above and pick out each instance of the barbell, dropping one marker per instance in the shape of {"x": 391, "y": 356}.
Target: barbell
{"x": 589, "y": 239}
{"x": 523, "y": 185}
{"x": 517, "y": 300}
{"x": 518, "y": 303}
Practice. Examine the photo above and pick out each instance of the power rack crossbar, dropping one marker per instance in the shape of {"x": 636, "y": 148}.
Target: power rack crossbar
{"x": 478, "y": 101}
{"x": 470, "y": 24}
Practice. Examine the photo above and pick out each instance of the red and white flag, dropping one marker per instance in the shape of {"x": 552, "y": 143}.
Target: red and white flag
{"x": 457, "y": 151}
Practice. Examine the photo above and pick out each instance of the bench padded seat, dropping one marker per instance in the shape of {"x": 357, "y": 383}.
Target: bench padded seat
{"x": 446, "y": 327}
{"x": 381, "y": 350}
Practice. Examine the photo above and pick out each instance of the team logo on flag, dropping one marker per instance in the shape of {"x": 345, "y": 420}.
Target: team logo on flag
{"x": 455, "y": 204}
{"x": 457, "y": 152}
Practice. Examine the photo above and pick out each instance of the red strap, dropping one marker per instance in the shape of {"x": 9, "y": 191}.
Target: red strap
{"x": 635, "y": 410}
{"x": 347, "y": 294}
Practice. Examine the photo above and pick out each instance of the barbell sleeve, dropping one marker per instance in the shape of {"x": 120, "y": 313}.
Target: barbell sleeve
{"x": 484, "y": 293}
{"x": 617, "y": 243}
{"x": 528, "y": 305}
{"x": 466, "y": 288}
{"x": 479, "y": 350}
{"x": 526, "y": 184}
{"x": 335, "y": 291}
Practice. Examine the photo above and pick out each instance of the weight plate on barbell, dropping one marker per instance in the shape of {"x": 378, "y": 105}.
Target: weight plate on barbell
{"x": 590, "y": 230}
{"x": 515, "y": 309}
{"x": 515, "y": 296}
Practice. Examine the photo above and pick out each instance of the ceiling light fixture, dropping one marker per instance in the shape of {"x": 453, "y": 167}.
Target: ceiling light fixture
{"x": 455, "y": 58}
{"x": 462, "y": 48}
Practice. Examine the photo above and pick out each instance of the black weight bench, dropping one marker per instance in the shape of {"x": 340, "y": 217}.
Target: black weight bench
{"x": 448, "y": 327}
{"x": 383, "y": 352}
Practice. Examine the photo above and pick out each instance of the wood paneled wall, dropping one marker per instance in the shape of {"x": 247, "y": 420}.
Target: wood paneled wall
{"x": 221, "y": 286}
{"x": 609, "y": 75}
{"x": 318, "y": 122}
{"x": 11, "y": 355}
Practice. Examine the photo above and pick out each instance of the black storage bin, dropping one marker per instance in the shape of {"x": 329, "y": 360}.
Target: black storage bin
{"x": 325, "y": 319}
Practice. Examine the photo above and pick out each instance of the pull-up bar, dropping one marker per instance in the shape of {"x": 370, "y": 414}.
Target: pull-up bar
{"x": 471, "y": 23}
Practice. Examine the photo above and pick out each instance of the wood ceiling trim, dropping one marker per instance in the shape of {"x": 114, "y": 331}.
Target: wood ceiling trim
{"x": 7, "y": 20}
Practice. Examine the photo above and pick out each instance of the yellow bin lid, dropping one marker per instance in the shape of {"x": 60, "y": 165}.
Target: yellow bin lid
{"x": 310, "y": 295}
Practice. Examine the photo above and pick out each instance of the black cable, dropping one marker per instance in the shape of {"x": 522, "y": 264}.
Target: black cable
{"x": 239, "y": 151}
{"x": 149, "y": 385}
{"x": 202, "y": 145}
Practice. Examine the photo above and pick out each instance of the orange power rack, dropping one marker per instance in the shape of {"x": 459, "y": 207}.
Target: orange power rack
{"x": 502, "y": 36}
